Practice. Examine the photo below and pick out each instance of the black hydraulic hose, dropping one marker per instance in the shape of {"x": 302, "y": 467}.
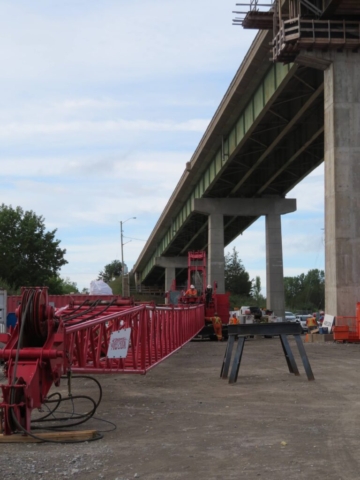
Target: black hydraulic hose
{"x": 72, "y": 316}
{"x": 88, "y": 415}
{"x": 84, "y": 417}
{"x": 47, "y": 440}
{"x": 93, "y": 316}
{"x": 51, "y": 412}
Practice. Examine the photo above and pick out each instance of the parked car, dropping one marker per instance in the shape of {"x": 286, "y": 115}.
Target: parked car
{"x": 290, "y": 317}
{"x": 302, "y": 320}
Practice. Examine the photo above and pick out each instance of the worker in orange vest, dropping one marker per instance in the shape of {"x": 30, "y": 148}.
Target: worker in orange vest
{"x": 217, "y": 324}
{"x": 311, "y": 323}
{"x": 234, "y": 320}
{"x": 191, "y": 292}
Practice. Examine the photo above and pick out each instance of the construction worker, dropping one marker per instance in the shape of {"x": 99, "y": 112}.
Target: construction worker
{"x": 311, "y": 323}
{"x": 208, "y": 294}
{"x": 191, "y": 292}
{"x": 234, "y": 320}
{"x": 217, "y": 324}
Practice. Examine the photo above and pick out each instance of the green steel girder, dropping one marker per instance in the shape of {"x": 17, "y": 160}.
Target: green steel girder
{"x": 274, "y": 80}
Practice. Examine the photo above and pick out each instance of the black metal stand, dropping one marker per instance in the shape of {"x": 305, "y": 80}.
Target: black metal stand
{"x": 282, "y": 329}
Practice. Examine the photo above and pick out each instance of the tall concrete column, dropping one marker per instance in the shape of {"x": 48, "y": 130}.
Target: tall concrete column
{"x": 170, "y": 275}
{"x": 273, "y": 208}
{"x": 342, "y": 183}
{"x": 275, "y": 298}
{"x": 170, "y": 264}
{"x": 216, "y": 259}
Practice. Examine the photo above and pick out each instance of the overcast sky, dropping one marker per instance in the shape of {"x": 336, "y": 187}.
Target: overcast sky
{"x": 103, "y": 103}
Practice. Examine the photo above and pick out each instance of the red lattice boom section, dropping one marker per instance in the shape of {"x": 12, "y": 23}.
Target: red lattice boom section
{"x": 156, "y": 333}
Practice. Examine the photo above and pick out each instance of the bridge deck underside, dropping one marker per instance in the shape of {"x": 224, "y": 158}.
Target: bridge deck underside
{"x": 284, "y": 146}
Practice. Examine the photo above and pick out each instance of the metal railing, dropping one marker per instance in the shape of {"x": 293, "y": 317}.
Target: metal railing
{"x": 298, "y": 33}
{"x": 252, "y": 6}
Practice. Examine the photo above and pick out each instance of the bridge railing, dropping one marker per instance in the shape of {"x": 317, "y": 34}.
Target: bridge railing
{"x": 299, "y": 33}
{"x": 251, "y": 8}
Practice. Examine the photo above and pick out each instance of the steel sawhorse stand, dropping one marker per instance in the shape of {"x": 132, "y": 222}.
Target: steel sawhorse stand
{"x": 282, "y": 329}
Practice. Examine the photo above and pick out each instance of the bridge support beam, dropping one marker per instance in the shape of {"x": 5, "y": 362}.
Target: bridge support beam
{"x": 342, "y": 184}
{"x": 170, "y": 264}
{"x": 273, "y": 208}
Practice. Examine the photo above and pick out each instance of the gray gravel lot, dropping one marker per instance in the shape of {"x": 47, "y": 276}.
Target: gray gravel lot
{"x": 181, "y": 421}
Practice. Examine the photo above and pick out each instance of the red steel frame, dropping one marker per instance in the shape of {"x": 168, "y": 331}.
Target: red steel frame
{"x": 197, "y": 263}
{"x": 77, "y": 339}
{"x": 156, "y": 333}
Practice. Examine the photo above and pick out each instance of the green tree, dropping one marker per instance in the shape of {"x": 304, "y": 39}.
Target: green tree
{"x": 237, "y": 280}
{"x": 256, "y": 292}
{"x": 111, "y": 271}
{"x": 306, "y": 291}
{"x": 10, "y": 289}
{"x": 61, "y": 286}
{"x": 29, "y": 255}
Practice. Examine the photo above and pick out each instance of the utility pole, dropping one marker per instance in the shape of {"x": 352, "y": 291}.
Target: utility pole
{"x": 122, "y": 256}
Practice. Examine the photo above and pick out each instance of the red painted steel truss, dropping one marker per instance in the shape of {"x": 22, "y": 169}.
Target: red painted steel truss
{"x": 156, "y": 333}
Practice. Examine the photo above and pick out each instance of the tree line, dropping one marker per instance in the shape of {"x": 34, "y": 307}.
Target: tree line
{"x": 305, "y": 292}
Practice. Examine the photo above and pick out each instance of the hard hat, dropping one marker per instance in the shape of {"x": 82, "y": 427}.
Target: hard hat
{"x": 192, "y": 286}
{"x": 209, "y": 286}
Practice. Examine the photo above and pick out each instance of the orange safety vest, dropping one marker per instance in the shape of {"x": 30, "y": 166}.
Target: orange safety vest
{"x": 311, "y": 322}
{"x": 217, "y": 324}
{"x": 192, "y": 292}
{"x": 233, "y": 321}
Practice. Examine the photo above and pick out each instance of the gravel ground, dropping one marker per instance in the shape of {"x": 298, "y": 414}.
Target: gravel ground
{"x": 181, "y": 421}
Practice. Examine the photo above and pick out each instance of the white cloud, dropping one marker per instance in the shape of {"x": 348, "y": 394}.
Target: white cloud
{"x": 119, "y": 39}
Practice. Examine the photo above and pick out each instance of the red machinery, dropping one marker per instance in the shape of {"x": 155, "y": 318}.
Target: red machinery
{"x": 47, "y": 344}
{"x": 197, "y": 276}
{"x": 347, "y": 329}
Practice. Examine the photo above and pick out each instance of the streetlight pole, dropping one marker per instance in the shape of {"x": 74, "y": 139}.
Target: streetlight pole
{"x": 122, "y": 251}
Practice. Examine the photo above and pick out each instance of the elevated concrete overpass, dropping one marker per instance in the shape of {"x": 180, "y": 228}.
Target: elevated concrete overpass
{"x": 265, "y": 137}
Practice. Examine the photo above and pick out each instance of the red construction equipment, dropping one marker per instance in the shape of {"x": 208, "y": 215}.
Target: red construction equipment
{"x": 111, "y": 336}
{"x": 347, "y": 329}
{"x": 215, "y": 303}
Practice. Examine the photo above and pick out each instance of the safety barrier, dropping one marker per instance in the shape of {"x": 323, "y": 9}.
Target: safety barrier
{"x": 348, "y": 328}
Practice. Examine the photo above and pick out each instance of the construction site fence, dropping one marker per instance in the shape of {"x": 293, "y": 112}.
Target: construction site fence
{"x": 348, "y": 328}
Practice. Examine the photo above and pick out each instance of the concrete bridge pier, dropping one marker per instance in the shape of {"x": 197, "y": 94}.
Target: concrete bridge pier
{"x": 275, "y": 295}
{"x": 273, "y": 208}
{"x": 342, "y": 176}
{"x": 216, "y": 259}
{"x": 342, "y": 184}
{"x": 170, "y": 264}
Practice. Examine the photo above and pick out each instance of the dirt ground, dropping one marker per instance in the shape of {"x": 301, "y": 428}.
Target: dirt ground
{"x": 181, "y": 421}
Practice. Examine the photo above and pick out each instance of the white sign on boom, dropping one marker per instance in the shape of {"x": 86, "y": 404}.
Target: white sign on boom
{"x": 119, "y": 343}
